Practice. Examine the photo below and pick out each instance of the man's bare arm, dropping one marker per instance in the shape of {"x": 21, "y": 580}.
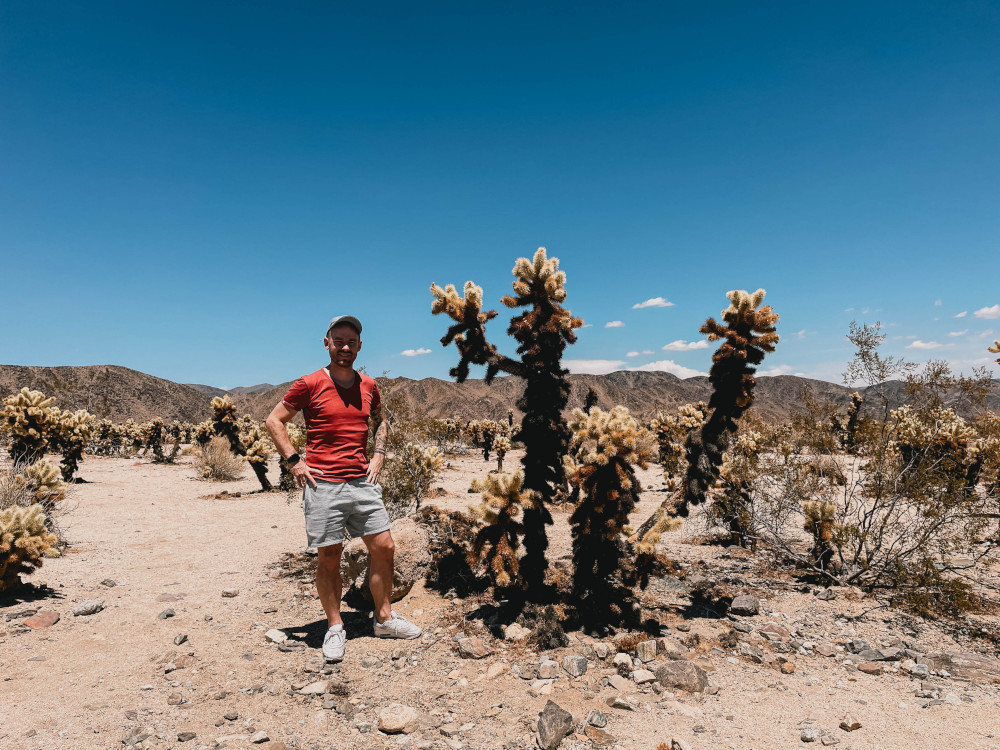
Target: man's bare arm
{"x": 378, "y": 454}
{"x": 275, "y": 424}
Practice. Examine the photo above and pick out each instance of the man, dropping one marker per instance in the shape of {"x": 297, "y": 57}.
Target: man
{"x": 339, "y": 485}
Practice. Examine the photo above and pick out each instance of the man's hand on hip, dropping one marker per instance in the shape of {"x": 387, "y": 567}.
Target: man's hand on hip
{"x": 303, "y": 474}
{"x": 375, "y": 468}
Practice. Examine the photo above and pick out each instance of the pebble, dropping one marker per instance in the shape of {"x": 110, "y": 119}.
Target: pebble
{"x": 745, "y": 606}
{"x": 185, "y": 736}
{"x": 810, "y": 734}
{"x": 850, "y": 724}
{"x": 554, "y": 723}
{"x": 180, "y": 638}
{"x": 166, "y": 614}
{"x": 575, "y": 664}
{"x": 230, "y": 593}
{"x": 870, "y": 667}
{"x": 43, "y": 618}
{"x": 596, "y": 719}
{"x": 109, "y": 583}
{"x": 259, "y": 737}
{"x": 371, "y": 662}
{"x": 643, "y": 676}
{"x": 645, "y": 651}
{"x": 276, "y": 636}
{"x": 548, "y": 669}
{"x": 89, "y": 607}
{"x": 397, "y": 718}
{"x": 473, "y": 648}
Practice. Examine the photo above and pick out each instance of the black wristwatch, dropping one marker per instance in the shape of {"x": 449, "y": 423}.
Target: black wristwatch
{"x": 293, "y": 459}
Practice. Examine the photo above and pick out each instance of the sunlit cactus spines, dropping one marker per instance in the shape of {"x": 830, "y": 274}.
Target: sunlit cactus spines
{"x": 995, "y": 349}
{"x": 24, "y": 540}
{"x": 496, "y": 546}
{"x": 32, "y": 422}
{"x": 604, "y": 448}
{"x": 152, "y": 435}
{"x": 43, "y": 484}
{"x": 500, "y": 447}
{"x": 747, "y": 333}
{"x": 671, "y": 431}
{"x": 542, "y": 331}
{"x": 74, "y": 433}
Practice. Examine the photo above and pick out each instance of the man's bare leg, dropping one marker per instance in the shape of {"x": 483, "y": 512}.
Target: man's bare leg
{"x": 381, "y": 550}
{"x": 328, "y": 581}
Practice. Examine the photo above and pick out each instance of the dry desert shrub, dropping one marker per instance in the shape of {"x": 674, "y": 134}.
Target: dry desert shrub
{"x": 218, "y": 463}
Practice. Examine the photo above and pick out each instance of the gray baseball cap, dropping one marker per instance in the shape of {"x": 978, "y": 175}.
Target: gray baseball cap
{"x": 346, "y": 319}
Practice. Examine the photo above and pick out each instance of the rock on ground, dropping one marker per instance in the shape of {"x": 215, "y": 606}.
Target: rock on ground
{"x": 411, "y": 562}
{"x": 554, "y": 723}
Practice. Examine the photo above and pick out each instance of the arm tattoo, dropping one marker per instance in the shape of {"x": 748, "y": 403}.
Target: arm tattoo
{"x": 381, "y": 435}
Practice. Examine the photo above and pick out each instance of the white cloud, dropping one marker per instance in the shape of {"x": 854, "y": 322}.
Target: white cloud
{"x": 848, "y": 309}
{"x": 614, "y": 324}
{"x": 918, "y": 344}
{"x": 415, "y": 352}
{"x": 988, "y": 313}
{"x": 653, "y": 302}
{"x": 685, "y": 346}
{"x": 958, "y": 333}
{"x": 632, "y": 354}
{"x": 668, "y": 365}
{"x": 801, "y": 334}
{"x": 647, "y": 351}
{"x": 593, "y": 366}
{"x": 778, "y": 370}
{"x": 962, "y": 314}
{"x": 937, "y": 302}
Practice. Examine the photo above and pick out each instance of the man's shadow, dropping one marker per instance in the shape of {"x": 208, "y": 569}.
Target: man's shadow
{"x": 356, "y": 625}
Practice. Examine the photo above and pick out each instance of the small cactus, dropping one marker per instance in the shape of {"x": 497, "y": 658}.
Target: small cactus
{"x": 502, "y": 511}
{"x": 24, "y": 539}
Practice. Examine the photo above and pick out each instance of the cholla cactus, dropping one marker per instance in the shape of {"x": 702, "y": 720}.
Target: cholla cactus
{"x": 733, "y": 507}
{"x": 820, "y": 524}
{"x": 604, "y": 447}
{"x": 297, "y": 436}
{"x": 748, "y": 334}
{"x": 542, "y": 332}
{"x": 995, "y": 349}
{"x": 671, "y": 431}
{"x": 504, "y": 507}
{"x": 41, "y": 484}
{"x": 74, "y": 434}
{"x": 938, "y": 441}
{"x": 152, "y": 438}
{"x": 591, "y": 400}
{"x": 500, "y": 447}
{"x": 33, "y": 424}
{"x": 849, "y": 439}
{"x": 24, "y": 539}
{"x": 228, "y": 425}
{"x": 203, "y": 433}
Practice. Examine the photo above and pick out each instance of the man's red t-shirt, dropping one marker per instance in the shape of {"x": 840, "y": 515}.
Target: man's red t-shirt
{"x": 336, "y": 422}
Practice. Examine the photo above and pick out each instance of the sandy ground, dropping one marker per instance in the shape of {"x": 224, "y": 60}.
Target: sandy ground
{"x": 166, "y": 542}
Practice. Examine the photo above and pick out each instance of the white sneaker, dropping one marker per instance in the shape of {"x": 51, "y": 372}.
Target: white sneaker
{"x": 333, "y": 643}
{"x": 397, "y": 627}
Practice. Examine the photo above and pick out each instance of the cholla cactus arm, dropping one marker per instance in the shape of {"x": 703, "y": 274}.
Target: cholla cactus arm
{"x": 24, "y": 539}
{"x": 468, "y": 331}
{"x": 748, "y": 334}
{"x": 995, "y": 349}
{"x": 75, "y": 431}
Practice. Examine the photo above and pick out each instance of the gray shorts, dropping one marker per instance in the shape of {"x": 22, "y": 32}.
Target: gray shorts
{"x": 330, "y": 507}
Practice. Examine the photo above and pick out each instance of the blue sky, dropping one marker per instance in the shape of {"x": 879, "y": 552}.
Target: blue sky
{"x": 194, "y": 189}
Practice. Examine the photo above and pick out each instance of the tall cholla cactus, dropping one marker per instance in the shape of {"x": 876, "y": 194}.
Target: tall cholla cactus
{"x": 542, "y": 332}
{"x": 500, "y": 447}
{"x": 33, "y": 424}
{"x": 995, "y": 349}
{"x": 849, "y": 439}
{"x": 748, "y": 334}
{"x": 153, "y": 433}
{"x": 24, "y": 539}
{"x": 604, "y": 447}
{"x": 820, "y": 525}
{"x": 74, "y": 434}
{"x": 504, "y": 507}
{"x": 227, "y": 425}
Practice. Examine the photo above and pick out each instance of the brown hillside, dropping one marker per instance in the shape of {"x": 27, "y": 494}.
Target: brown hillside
{"x": 109, "y": 391}
{"x": 119, "y": 393}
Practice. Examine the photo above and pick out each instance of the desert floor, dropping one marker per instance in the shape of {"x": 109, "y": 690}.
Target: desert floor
{"x": 166, "y": 540}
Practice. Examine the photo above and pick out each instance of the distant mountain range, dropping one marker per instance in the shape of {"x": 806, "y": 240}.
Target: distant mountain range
{"x": 117, "y": 393}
